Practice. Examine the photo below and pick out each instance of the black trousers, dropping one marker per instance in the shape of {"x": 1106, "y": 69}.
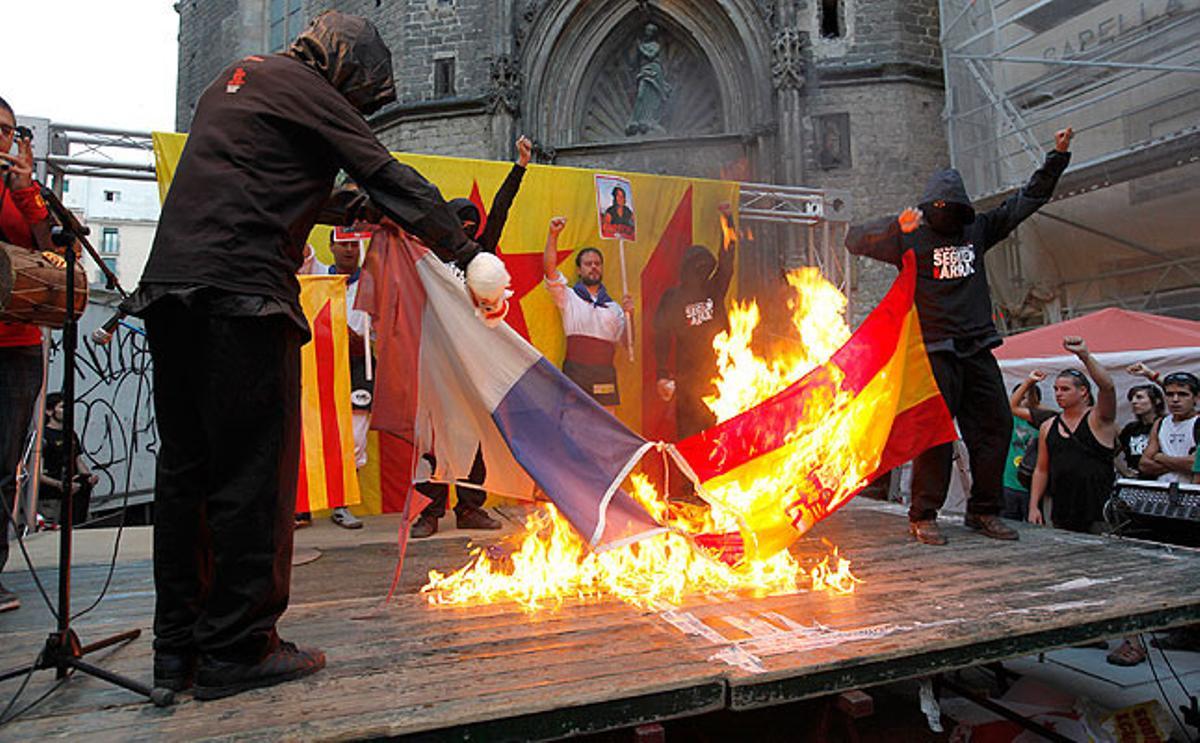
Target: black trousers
{"x": 227, "y": 400}
{"x": 20, "y": 380}
{"x": 439, "y": 492}
{"x": 974, "y": 392}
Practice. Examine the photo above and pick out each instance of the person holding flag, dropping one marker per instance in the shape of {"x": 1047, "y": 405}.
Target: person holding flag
{"x": 593, "y": 323}
{"x": 220, "y": 299}
{"x": 954, "y": 306}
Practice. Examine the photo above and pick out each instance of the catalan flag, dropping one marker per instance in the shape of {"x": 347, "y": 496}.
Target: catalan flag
{"x": 873, "y": 406}
{"x": 327, "y": 475}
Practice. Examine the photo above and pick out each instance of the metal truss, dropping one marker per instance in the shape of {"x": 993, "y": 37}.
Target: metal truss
{"x": 810, "y": 225}
{"x": 86, "y": 151}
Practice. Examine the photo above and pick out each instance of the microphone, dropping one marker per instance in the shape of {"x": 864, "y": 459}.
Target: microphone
{"x": 102, "y": 335}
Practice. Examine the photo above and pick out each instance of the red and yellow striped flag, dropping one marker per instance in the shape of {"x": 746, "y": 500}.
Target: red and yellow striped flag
{"x": 798, "y": 456}
{"x": 327, "y": 475}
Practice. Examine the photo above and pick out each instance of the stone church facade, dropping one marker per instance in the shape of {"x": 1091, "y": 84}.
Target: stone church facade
{"x": 843, "y": 94}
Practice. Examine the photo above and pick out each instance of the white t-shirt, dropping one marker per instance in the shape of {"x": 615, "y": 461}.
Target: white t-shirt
{"x": 580, "y": 317}
{"x": 1177, "y": 439}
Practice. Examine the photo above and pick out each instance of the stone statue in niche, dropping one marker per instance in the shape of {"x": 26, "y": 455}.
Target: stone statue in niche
{"x": 653, "y": 90}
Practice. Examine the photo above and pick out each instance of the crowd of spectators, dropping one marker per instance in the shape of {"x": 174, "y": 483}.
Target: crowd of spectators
{"x": 1063, "y": 473}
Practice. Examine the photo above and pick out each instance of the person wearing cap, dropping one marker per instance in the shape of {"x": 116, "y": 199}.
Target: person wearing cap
{"x": 220, "y": 299}
{"x": 949, "y": 240}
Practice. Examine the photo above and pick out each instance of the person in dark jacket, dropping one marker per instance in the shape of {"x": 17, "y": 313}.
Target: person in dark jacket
{"x": 688, "y": 318}
{"x": 955, "y": 310}
{"x": 220, "y": 299}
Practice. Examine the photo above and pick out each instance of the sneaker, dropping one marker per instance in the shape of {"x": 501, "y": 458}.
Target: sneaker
{"x": 927, "y": 532}
{"x": 217, "y": 678}
{"x": 424, "y": 526}
{"x": 343, "y": 518}
{"x": 303, "y": 520}
{"x": 174, "y": 671}
{"x": 9, "y": 601}
{"x": 476, "y": 518}
{"x": 990, "y": 525}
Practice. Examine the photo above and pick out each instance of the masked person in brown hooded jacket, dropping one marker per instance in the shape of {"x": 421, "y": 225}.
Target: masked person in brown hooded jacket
{"x": 221, "y": 303}
{"x": 954, "y": 307}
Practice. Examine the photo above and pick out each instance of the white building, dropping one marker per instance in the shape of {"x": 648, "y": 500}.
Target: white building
{"x": 122, "y": 215}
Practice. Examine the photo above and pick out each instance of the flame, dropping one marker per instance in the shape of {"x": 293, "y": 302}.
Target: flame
{"x": 737, "y": 542}
{"x": 840, "y": 580}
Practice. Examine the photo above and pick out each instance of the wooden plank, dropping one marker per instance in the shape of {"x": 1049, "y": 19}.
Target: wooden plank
{"x": 500, "y": 673}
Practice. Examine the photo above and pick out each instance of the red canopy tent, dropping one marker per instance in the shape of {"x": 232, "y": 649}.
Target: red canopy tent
{"x": 1107, "y": 331}
{"x": 1116, "y": 337}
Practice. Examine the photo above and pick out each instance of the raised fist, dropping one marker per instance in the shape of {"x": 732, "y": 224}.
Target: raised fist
{"x": 1062, "y": 139}
{"x": 909, "y": 219}
{"x": 1076, "y": 345}
{"x": 557, "y": 224}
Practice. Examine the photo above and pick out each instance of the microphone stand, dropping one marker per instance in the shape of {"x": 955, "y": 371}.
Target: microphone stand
{"x": 63, "y": 651}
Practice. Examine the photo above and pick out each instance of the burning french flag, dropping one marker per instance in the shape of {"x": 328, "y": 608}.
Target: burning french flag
{"x": 488, "y": 389}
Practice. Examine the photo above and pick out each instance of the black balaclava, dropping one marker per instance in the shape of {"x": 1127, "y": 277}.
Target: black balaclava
{"x": 348, "y": 52}
{"x": 466, "y": 211}
{"x": 947, "y": 186}
{"x": 697, "y": 266}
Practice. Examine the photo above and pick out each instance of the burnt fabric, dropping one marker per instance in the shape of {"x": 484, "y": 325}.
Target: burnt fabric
{"x": 974, "y": 393}
{"x": 952, "y": 298}
{"x": 1081, "y": 475}
{"x": 688, "y": 318}
{"x": 227, "y": 401}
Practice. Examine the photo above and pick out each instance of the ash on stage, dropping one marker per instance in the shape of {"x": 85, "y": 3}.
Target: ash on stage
{"x": 220, "y": 301}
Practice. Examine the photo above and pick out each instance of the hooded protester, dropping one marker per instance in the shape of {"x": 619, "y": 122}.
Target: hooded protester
{"x": 949, "y": 241}
{"x": 689, "y": 317}
{"x": 220, "y": 299}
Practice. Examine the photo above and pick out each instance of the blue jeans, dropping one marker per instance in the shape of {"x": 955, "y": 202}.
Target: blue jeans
{"x": 20, "y": 380}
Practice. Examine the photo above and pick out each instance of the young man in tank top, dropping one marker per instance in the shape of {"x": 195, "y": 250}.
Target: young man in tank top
{"x": 1171, "y": 452}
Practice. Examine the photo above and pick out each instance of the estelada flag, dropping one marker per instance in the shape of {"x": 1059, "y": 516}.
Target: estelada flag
{"x": 327, "y": 475}
{"x": 873, "y": 406}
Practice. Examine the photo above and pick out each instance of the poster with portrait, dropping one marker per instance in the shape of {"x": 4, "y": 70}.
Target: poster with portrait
{"x": 614, "y": 205}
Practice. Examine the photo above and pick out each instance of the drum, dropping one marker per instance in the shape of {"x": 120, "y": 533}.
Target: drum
{"x": 33, "y": 290}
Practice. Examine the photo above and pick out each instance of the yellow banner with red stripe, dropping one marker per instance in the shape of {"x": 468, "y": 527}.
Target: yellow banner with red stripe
{"x": 327, "y": 475}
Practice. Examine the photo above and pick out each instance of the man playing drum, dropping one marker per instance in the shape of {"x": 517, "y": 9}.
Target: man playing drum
{"x": 21, "y": 209}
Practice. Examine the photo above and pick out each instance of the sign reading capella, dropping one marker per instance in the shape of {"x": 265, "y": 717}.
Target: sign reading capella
{"x": 1109, "y": 29}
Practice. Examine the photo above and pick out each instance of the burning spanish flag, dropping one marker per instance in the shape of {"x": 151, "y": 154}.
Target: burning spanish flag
{"x": 796, "y": 457}
{"x": 327, "y": 476}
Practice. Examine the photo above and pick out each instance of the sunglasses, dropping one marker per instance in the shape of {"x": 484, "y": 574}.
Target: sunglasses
{"x": 1073, "y": 373}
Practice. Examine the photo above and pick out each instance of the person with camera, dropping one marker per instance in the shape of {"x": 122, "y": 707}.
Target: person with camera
{"x": 21, "y": 212}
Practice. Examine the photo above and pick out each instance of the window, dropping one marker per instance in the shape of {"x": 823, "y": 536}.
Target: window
{"x": 66, "y": 185}
{"x": 112, "y": 195}
{"x": 110, "y": 240}
{"x": 285, "y": 20}
{"x": 112, "y": 266}
{"x": 443, "y": 77}
{"x": 831, "y": 20}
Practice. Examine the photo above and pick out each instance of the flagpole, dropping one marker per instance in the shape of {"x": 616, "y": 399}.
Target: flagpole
{"x": 370, "y": 367}
{"x": 624, "y": 291}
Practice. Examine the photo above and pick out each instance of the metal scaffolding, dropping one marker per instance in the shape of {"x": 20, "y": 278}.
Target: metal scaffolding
{"x": 1125, "y": 74}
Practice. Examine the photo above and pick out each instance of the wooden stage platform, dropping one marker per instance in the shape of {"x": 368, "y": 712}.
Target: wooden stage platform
{"x": 496, "y": 673}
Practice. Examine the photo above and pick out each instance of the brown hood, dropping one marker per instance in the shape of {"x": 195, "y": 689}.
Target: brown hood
{"x": 347, "y": 51}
